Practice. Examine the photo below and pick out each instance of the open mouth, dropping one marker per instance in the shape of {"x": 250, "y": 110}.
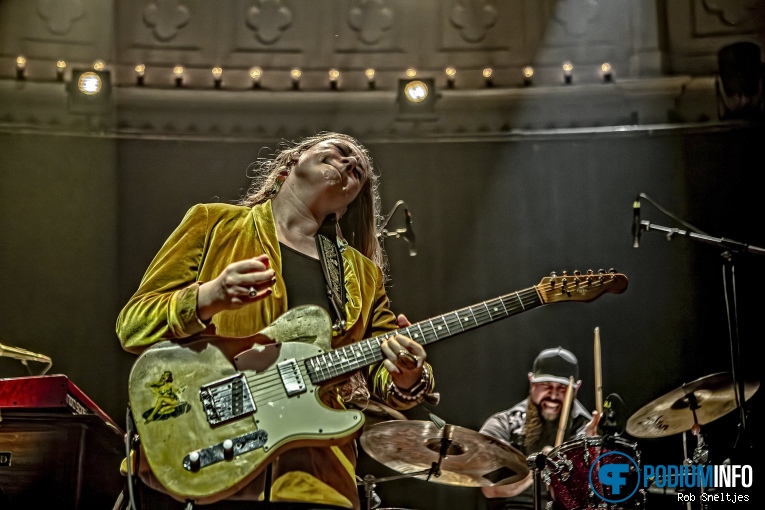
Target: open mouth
{"x": 551, "y": 406}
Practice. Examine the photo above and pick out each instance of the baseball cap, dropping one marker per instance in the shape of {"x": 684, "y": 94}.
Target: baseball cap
{"x": 555, "y": 365}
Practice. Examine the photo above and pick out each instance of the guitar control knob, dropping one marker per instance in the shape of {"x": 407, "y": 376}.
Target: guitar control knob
{"x": 194, "y": 463}
{"x": 228, "y": 449}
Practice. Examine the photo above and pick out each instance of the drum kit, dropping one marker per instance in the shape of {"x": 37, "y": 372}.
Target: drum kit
{"x": 448, "y": 454}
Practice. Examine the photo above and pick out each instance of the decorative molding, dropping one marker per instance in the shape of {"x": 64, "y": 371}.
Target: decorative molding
{"x": 473, "y": 18}
{"x": 59, "y": 15}
{"x": 575, "y": 15}
{"x": 269, "y": 19}
{"x": 371, "y": 19}
{"x": 731, "y": 12}
{"x": 165, "y": 17}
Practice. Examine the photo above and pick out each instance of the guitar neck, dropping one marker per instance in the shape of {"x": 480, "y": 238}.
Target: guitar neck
{"x": 350, "y": 358}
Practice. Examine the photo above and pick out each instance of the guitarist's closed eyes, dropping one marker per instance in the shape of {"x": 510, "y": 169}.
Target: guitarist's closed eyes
{"x": 238, "y": 390}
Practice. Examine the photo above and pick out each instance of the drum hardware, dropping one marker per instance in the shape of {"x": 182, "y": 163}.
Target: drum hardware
{"x": 536, "y": 462}
{"x": 370, "y": 483}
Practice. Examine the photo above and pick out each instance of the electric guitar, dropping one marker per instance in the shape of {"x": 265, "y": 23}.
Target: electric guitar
{"x": 213, "y": 411}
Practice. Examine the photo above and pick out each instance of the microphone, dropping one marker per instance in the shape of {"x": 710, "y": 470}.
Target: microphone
{"x": 22, "y": 354}
{"x": 409, "y": 234}
{"x": 636, "y": 222}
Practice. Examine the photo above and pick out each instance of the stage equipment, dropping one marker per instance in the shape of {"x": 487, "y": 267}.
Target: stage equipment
{"x": 89, "y": 91}
{"x": 697, "y": 403}
{"x": 405, "y": 233}
{"x": 58, "y": 449}
{"x": 450, "y": 455}
{"x": 417, "y": 98}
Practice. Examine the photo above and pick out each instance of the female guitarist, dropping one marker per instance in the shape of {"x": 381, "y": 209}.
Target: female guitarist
{"x": 304, "y": 234}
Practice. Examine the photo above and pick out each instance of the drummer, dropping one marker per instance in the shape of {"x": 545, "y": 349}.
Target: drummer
{"x": 531, "y": 425}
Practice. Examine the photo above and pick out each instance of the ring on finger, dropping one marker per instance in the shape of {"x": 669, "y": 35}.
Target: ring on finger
{"x": 403, "y": 353}
{"x": 253, "y": 292}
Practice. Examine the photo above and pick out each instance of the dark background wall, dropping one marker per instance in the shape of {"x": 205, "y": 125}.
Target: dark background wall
{"x": 83, "y": 216}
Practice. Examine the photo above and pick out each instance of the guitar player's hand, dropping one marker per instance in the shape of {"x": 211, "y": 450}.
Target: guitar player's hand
{"x": 240, "y": 284}
{"x": 405, "y": 369}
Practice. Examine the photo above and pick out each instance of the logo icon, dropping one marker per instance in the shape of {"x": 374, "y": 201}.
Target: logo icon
{"x": 612, "y": 473}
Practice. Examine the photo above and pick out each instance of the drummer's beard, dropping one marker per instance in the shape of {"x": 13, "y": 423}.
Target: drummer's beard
{"x": 535, "y": 421}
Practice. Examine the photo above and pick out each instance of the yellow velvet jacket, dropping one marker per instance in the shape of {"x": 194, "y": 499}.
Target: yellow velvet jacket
{"x": 209, "y": 238}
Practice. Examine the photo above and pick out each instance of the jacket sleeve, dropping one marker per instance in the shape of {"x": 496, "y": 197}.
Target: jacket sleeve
{"x": 383, "y": 321}
{"x": 165, "y": 304}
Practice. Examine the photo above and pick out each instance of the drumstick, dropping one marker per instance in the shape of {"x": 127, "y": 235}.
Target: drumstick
{"x": 598, "y": 375}
{"x": 564, "y": 412}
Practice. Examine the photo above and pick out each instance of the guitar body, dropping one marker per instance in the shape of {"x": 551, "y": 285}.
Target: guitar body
{"x": 172, "y": 387}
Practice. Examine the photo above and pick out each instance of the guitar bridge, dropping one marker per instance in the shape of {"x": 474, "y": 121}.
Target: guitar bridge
{"x": 227, "y": 399}
{"x": 292, "y": 379}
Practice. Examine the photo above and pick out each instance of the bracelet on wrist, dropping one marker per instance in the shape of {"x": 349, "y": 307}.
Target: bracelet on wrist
{"x": 417, "y": 391}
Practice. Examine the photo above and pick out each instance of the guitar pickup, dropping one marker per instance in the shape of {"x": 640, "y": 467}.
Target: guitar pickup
{"x": 292, "y": 379}
{"x": 227, "y": 399}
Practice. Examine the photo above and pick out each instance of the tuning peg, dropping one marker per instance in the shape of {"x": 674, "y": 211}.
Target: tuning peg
{"x": 577, "y": 272}
{"x": 553, "y": 274}
{"x": 601, "y": 271}
{"x": 589, "y": 271}
{"x": 612, "y": 271}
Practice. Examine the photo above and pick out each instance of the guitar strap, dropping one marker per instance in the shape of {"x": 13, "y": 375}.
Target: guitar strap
{"x": 329, "y": 248}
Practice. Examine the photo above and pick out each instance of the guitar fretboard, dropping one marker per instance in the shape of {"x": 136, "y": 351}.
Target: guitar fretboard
{"x": 352, "y": 357}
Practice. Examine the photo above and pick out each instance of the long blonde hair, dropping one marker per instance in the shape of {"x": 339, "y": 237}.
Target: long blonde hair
{"x": 361, "y": 221}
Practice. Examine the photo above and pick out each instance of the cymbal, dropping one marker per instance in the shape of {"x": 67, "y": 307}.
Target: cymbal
{"x": 670, "y": 414}
{"x": 472, "y": 459}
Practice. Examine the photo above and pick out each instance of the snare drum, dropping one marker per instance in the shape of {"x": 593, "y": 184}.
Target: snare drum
{"x": 571, "y": 474}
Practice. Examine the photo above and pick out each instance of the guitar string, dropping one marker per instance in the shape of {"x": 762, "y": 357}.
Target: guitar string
{"x": 272, "y": 381}
{"x": 478, "y": 313}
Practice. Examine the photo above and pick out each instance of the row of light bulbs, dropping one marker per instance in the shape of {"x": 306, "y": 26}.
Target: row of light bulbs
{"x": 256, "y": 73}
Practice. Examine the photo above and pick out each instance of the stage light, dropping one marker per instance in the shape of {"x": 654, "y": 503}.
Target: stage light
{"x": 416, "y": 98}
{"x": 528, "y": 74}
{"x": 411, "y": 72}
{"x": 334, "y": 76}
{"x": 89, "y": 91}
{"x": 370, "y": 74}
{"x": 606, "y": 72}
{"x": 89, "y": 83}
{"x": 99, "y": 65}
{"x": 178, "y": 73}
{"x": 140, "y": 71}
{"x": 296, "y": 74}
{"x": 217, "y": 73}
{"x": 256, "y": 74}
{"x": 739, "y": 82}
{"x": 487, "y": 76}
{"x": 568, "y": 70}
{"x": 60, "y": 69}
{"x": 416, "y": 91}
{"x": 21, "y": 67}
{"x": 451, "y": 74}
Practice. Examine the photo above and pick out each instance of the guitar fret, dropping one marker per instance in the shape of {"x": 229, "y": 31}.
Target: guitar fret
{"x": 520, "y": 300}
{"x": 470, "y": 308}
{"x": 503, "y": 306}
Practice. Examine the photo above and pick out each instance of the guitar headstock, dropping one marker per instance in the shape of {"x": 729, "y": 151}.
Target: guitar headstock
{"x": 580, "y": 286}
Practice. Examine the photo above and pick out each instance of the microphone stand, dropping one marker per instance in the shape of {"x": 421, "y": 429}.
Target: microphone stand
{"x": 406, "y": 233}
{"x": 729, "y": 273}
